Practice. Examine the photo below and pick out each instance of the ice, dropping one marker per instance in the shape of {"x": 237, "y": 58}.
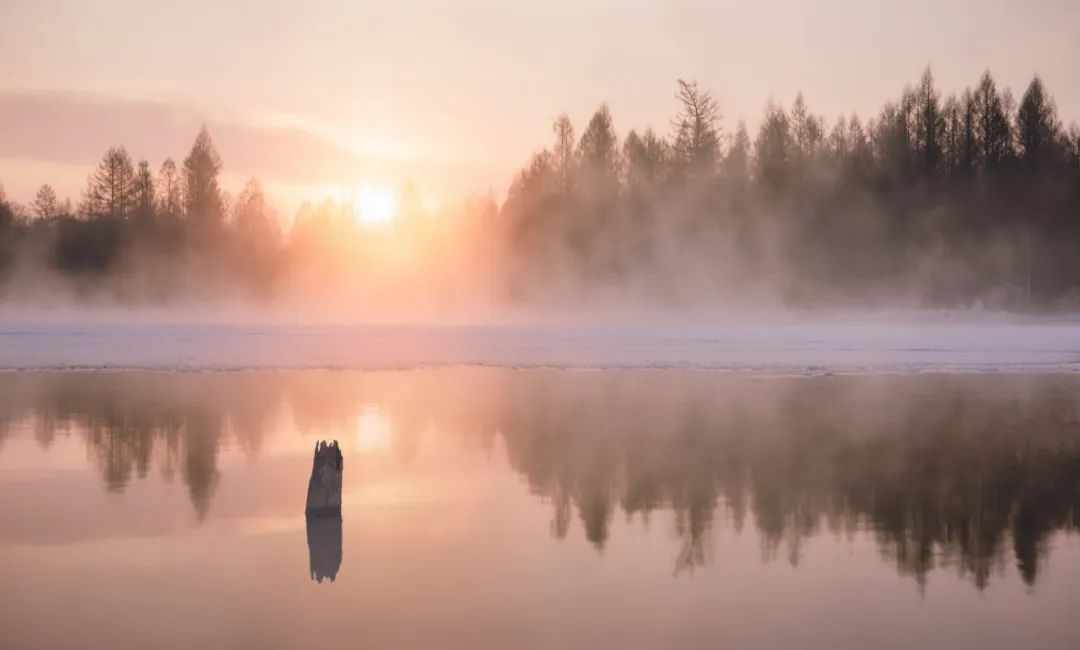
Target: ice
{"x": 869, "y": 346}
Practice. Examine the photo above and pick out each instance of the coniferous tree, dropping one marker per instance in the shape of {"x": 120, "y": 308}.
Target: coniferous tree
{"x": 929, "y": 125}
{"x": 564, "y": 153}
{"x": 144, "y": 194}
{"x": 860, "y": 155}
{"x": 991, "y": 124}
{"x": 1072, "y": 144}
{"x": 202, "y": 193}
{"x": 772, "y": 149}
{"x": 111, "y": 188}
{"x": 251, "y": 212}
{"x": 598, "y": 153}
{"x": 807, "y": 133}
{"x": 697, "y": 130}
{"x": 1037, "y": 127}
{"x": 837, "y": 142}
{"x": 951, "y": 135}
{"x": 170, "y": 191}
{"x": 646, "y": 157}
{"x": 969, "y": 141}
{"x": 737, "y": 160}
{"x": 46, "y": 205}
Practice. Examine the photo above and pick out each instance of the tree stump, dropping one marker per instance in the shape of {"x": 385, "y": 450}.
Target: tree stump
{"x": 324, "y": 487}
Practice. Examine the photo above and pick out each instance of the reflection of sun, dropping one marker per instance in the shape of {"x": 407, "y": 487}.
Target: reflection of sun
{"x": 375, "y": 206}
{"x": 373, "y": 431}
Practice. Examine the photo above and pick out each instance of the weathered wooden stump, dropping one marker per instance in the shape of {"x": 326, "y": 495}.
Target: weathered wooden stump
{"x": 324, "y": 487}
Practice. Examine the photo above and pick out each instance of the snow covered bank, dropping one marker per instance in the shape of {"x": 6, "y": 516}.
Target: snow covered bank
{"x": 867, "y": 347}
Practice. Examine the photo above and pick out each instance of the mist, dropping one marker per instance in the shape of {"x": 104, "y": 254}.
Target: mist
{"x": 961, "y": 201}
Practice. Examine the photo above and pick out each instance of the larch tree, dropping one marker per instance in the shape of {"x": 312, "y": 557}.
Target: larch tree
{"x": 697, "y": 130}
{"x": 929, "y": 125}
{"x": 598, "y": 153}
{"x": 968, "y": 155}
{"x": 46, "y": 205}
{"x": 737, "y": 160}
{"x": 807, "y": 132}
{"x": 144, "y": 194}
{"x": 1037, "y": 128}
{"x": 170, "y": 191}
{"x": 860, "y": 156}
{"x": 991, "y": 124}
{"x": 646, "y": 160}
{"x": 252, "y": 216}
{"x": 111, "y": 188}
{"x": 837, "y": 142}
{"x": 563, "y": 153}
{"x": 772, "y": 148}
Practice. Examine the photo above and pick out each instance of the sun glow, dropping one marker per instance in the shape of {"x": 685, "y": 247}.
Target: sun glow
{"x": 374, "y": 206}
{"x": 372, "y": 431}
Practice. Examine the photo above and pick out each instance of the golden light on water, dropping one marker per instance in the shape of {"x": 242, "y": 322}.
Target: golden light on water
{"x": 372, "y": 431}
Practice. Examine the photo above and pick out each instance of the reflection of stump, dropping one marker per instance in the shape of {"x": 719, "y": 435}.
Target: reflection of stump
{"x": 324, "y": 487}
{"x": 324, "y": 547}
{"x": 324, "y": 511}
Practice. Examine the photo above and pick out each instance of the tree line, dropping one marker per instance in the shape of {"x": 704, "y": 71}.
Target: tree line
{"x": 969, "y": 198}
{"x": 942, "y": 200}
{"x": 130, "y": 217}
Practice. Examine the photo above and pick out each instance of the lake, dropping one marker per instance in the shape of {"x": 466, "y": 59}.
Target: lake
{"x": 492, "y": 508}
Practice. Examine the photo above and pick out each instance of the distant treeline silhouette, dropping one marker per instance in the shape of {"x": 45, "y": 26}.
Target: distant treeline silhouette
{"x": 941, "y": 201}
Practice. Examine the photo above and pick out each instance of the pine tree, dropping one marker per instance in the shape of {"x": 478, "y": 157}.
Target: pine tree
{"x": 202, "y": 199}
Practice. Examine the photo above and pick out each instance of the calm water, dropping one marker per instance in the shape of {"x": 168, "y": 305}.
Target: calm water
{"x": 493, "y": 508}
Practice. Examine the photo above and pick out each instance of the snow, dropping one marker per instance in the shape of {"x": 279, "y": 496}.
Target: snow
{"x": 939, "y": 345}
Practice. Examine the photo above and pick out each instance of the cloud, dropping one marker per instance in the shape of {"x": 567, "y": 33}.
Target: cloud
{"x": 69, "y": 132}
{"x": 76, "y": 129}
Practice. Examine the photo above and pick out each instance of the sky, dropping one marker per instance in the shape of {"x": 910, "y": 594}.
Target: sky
{"x": 453, "y": 96}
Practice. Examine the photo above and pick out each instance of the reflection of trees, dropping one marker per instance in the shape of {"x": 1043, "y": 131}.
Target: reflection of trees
{"x": 131, "y": 421}
{"x": 953, "y": 472}
{"x": 944, "y": 471}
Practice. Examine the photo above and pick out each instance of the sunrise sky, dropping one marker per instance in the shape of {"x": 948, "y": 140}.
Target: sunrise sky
{"x": 455, "y": 95}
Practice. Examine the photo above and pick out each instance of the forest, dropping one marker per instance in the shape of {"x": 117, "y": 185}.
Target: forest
{"x": 959, "y": 200}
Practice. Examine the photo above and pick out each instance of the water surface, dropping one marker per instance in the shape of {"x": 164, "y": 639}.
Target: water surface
{"x": 532, "y": 508}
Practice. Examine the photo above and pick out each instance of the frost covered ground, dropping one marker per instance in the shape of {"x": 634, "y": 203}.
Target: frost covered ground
{"x": 864, "y": 346}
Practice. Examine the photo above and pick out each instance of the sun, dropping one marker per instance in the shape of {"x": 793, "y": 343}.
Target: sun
{"x": 375, "y": 206}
